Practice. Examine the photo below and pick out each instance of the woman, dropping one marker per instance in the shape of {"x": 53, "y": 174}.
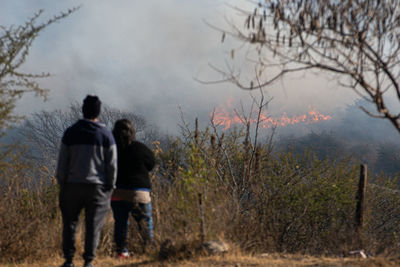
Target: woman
{"x": 132, "y": 195}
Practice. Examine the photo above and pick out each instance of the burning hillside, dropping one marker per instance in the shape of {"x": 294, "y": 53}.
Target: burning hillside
{"x": 226, "y": 119}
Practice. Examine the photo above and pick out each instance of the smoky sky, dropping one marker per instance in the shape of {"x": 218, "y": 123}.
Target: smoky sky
{"x": 144, "y": 56}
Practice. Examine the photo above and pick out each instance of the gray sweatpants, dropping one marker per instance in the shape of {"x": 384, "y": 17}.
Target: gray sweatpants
{"x": 95, "y": 200}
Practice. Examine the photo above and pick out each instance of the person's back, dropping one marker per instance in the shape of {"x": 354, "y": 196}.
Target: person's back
{"x": 91, "y": 148}
{"x": 135, "y": 162}
{"x": 86, "y": 173}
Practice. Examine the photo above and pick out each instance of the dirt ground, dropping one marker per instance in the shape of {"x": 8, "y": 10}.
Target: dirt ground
{"x": 228, "y": 260}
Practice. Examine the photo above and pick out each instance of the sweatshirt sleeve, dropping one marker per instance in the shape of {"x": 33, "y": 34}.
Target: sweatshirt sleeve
{"x": 111, "y": 164}
{"x": 62, "y": 164}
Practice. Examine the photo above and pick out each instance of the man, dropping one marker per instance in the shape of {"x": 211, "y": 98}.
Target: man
{"x": 86, "y": 173}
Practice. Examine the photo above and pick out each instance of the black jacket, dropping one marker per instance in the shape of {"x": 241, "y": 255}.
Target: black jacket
{"x": 134, "y": 164}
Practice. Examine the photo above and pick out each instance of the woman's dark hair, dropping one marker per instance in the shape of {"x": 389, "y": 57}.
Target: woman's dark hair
{"x": 124, "y": 133}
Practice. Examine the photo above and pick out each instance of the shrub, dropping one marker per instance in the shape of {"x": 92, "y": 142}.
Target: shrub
{"x": 257, "y": 199}
{"x": 29, "y": 216}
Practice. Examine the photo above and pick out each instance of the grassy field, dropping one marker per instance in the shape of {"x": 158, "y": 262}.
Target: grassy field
{"x": 209, "y": 188}
{"x": 237, "y": 260}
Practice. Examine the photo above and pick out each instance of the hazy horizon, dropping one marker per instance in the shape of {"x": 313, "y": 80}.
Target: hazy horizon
{"x": 144, "y": 57}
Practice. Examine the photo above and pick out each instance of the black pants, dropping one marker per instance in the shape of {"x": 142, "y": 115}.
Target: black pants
{"x": 96, "y": 202}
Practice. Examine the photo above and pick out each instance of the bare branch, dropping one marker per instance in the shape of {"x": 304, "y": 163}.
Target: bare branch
{"x": 359, "y": 40}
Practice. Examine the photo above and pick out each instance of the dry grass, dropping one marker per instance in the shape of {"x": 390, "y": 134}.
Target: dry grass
{"x": 285, "y": 203}
{"x": 234, "y": 259}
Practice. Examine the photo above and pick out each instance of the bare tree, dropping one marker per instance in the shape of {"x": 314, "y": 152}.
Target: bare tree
{"x": 358, "y": 41}
{"x": 43, "y": 131}
{"x": 15, "y": 42}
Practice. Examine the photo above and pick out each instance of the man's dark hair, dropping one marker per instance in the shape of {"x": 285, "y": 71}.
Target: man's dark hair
{"x": 124, "y": 133}
{"x": 91, "y": 107}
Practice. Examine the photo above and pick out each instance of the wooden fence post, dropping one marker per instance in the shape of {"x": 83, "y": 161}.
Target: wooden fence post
{"x": 362, "y": 188}
{"x": 196, "y": 131}
{"x": 202, "y": 225}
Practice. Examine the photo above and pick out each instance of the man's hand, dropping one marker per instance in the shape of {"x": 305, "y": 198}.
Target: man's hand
{"x": 107, "y": 187}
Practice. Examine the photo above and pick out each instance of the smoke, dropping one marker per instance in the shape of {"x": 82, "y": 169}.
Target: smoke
{"x": 134, "y": 55}
{"x": 143, "y": 56}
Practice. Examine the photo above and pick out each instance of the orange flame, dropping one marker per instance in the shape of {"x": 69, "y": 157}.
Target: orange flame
{"x": 221, "y": 117}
